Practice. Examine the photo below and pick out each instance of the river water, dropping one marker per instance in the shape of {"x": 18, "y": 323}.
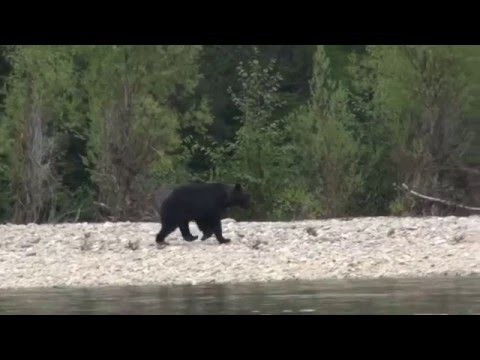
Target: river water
{"x": 381, "y": 296}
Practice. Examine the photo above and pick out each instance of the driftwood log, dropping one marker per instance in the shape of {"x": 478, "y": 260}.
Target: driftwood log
{"x": 465, "y": 210}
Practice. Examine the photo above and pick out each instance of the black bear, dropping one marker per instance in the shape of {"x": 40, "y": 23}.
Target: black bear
{"x": 203, "y": 203}
{"x": 161, "y": 195}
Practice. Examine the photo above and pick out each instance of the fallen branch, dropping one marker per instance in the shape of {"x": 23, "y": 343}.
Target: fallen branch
{"x": 102, "y": 205}
{"x": 446, "y": 202}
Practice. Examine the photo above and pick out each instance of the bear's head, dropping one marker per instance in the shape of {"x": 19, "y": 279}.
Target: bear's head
{"x": 238, "y": 197}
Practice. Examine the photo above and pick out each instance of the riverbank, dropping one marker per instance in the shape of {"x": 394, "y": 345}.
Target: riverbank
{"x": 87, "y": 255}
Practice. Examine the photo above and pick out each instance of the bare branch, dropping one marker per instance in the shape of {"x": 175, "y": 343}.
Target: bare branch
{"x": 446, "y": 202}
{"x": 102, "y": 205}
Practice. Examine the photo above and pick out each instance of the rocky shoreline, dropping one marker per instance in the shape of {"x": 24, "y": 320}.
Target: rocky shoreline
{"x": 104, "y": 254}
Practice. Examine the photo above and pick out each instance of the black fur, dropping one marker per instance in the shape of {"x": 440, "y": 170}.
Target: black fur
{"x": 203, "y": 203}
{"x": 161, "y": 195}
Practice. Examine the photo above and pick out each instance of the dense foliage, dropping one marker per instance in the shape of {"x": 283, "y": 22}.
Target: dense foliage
{"x": 90, "y": 132}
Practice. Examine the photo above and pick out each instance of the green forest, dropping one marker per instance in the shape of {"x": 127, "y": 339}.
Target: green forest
{"x": 88, "y": 133}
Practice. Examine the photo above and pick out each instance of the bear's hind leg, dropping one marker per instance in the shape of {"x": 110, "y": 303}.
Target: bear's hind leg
{"x": 163, "y": 233}
{"x": 207, "y": 234}
{"x": 205, "y": 228}
{"x": 186, "y": 234}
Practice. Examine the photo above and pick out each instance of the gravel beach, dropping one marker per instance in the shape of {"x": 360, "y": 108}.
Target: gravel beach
{"x": 88, "y": 254}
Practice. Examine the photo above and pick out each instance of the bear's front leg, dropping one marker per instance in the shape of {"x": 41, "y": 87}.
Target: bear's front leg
{"x": 217, "y": 230}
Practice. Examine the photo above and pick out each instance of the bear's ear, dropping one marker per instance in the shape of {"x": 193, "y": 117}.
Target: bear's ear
{"x": 237, "y": 187}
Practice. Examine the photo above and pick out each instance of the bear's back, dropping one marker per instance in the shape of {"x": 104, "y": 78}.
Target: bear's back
{"x": 196, "y": 199}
